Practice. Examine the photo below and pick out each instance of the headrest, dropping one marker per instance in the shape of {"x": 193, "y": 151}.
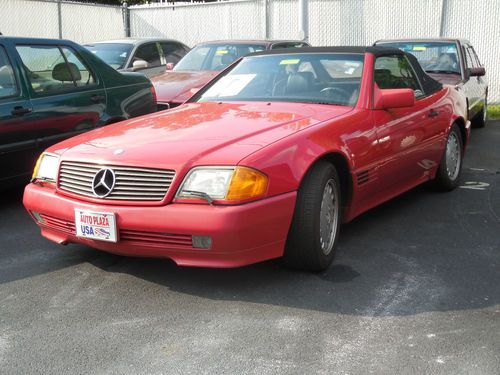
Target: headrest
{"x": 297, "y": 83}
{"x": 63, "y": 74}
{"x": 228, "y": 59}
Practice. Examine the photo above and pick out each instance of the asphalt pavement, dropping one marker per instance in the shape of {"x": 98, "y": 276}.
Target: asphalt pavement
{"x": 414, "y": 289}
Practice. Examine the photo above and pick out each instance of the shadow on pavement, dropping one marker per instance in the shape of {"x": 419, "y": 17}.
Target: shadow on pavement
{"x": 423, "y": 251}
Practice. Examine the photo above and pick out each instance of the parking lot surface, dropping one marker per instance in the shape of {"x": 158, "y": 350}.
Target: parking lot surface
{"x": 415, "y": 288}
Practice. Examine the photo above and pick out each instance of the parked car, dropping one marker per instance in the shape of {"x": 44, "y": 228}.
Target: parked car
{"x": 53, "y": 89}
{"x": 454, "y": 62}
{"x": 146, "y": 55}
{"x": 203, "y": 63}
{"x": 263, "y": 162}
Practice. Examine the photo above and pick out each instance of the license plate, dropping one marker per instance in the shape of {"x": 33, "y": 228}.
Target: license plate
{"x": 95, "y": 225}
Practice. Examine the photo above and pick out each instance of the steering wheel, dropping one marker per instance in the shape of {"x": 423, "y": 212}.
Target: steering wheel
{"x": 330, "y": 92}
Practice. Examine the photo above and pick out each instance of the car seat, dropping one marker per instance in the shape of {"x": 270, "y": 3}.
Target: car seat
{"x": 299, "y": 82}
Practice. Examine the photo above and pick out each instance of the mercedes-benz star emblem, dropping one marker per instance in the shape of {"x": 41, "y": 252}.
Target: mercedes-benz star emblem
{"x": 104, "y": 182}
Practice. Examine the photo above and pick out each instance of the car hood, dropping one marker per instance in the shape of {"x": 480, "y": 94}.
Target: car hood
{"x": 195, "y": 134}
{"x": 179, "y": 86}
{"x": 446, "y": 78}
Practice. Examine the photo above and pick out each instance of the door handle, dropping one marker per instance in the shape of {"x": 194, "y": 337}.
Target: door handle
{"x": 97, "y": 98}
{"x": 20, "y": 111}
{"x": 433, "y": 113}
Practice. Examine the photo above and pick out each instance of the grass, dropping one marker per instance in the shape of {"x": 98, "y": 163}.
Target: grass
{"x": 494, "y": 112}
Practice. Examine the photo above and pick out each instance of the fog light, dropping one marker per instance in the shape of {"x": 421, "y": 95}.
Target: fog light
{"x": 37, "y": 216}
{"x": 202, "y": 242}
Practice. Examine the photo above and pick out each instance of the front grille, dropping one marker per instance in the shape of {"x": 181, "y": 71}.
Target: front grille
{"x": 132, "y": 183}
{"x": 132, "y": 237}
{"x": 67, "y": 227}
{"x": 156, "y": 239}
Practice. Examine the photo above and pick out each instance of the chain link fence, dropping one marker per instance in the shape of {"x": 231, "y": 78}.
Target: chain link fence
{"x": 192, "y": 23}
{"x": 81, "y": 22}
{"x": 331, "y": 22}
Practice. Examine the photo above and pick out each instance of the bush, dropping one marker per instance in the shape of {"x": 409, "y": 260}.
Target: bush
{"x": 494, "y": 112}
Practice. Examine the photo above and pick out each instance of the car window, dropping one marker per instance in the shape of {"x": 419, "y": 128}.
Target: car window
{"x": 47, "y": 69}
{"x": 469, "y": 58}
{"x": 434, "y": 57}
{"x": 223, "y": 57}
{"x": 149, "y": 53}
{"x": 81, "y": 73}
{"x": 173, "y": 52}
{"x": 113, "y": 54}
{"x": 395, "y": 72}
{"x": 216, "y": 56}
{"x": 478, "y": 62}
{"x": 289, "y": 77}
{"x": 194, "y": 60}
{"x": 8, "y": 86}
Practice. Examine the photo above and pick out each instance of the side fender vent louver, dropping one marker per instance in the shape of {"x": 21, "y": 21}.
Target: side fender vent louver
{"x": 363, "y": 177}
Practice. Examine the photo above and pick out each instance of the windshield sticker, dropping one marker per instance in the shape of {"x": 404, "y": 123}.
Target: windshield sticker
{"x": 222, "y": 52}
{"x": 419, "y": 48}
{"x": 290, "y": 62}
{"x": 230, "y": 85}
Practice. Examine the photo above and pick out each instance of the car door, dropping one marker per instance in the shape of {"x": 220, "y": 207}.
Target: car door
{"x": 67, "y": 96}
{"x": 151, "y": 53}
{"x": 18, "y": 149}
{"x": 409, "y": 139}
{"x": 474, "y": 87}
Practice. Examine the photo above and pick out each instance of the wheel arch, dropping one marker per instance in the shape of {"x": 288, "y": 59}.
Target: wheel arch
{"x": 460, "y": 121}
{"x": 342, "y": 165}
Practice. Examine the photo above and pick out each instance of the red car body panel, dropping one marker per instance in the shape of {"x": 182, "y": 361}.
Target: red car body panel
{"x": 386, "y": 152}
{"x": 235, "y": 242}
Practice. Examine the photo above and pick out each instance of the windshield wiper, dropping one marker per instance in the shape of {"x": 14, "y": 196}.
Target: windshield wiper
{"x": 442, "y": 71}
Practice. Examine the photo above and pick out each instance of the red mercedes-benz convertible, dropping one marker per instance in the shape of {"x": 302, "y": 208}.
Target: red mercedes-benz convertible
{"x": 264, "y": 162}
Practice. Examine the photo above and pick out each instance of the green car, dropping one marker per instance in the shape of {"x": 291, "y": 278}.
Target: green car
{"x": 53, "y": 89}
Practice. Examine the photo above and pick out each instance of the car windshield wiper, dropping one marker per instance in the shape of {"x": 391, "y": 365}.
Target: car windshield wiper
{"x": 442, "y": 71}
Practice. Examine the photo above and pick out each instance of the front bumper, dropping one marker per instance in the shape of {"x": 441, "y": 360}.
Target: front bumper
{"x": 241, "y": 235}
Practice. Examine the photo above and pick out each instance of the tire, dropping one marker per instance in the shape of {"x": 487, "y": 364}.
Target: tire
{"x": 308, "y": 246}
{"x": 450, "y": 168}
{"x": 482, "y": 117}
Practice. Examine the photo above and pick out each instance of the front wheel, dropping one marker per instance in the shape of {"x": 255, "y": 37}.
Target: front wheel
{"x": 451, "y": 163}
{"x": 316, "y": 221}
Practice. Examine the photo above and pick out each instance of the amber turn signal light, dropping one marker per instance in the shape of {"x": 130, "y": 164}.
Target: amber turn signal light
{"x": 247, "y": 183}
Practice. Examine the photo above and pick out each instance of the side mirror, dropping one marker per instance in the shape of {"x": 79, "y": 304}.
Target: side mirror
{"x": 170, "y": 66}
{"x": 139, "y": 64}
{"x": 394, "y": 98}
{"x": 477, "y": 72}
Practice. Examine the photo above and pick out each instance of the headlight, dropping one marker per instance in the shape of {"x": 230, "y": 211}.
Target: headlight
{"x": 46, "y": 167}
{"x": 226, "y": 183}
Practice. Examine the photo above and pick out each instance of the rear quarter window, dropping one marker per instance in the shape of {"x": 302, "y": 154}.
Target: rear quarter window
{"x": 8, "y": 85}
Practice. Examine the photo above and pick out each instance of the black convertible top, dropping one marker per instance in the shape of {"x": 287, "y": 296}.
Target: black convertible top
{"x": 429, "y": 85}
{"x": 376, "y": 50}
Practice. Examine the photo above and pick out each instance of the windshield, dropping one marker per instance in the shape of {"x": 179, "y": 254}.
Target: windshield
{"x": 113, "y": 54}
{"x": 305, "y": 78}
{"x": 216, "y": 56}
{"x": 434, "y": 57}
